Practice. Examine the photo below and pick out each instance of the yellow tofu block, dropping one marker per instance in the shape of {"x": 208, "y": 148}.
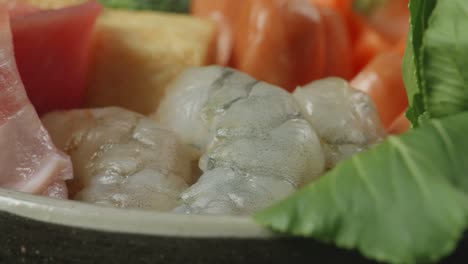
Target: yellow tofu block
{"x": 137, "y": 54}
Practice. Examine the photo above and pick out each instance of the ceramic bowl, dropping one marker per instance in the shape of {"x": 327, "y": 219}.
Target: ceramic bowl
{"x": 37, "y": 229}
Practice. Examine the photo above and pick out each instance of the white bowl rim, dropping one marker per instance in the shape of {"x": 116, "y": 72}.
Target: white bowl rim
{"x": 124, "y": 220}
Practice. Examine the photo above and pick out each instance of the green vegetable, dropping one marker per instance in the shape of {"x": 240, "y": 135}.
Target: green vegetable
{"x": 403, "y": 201}
{"x": 437, "y": 58}
{"x": 178, "y": 6}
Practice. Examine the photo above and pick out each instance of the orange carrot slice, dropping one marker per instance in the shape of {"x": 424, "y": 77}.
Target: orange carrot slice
{"x": 338, "y": 57}
{"x": 400, "y": 125}
{"x": 368, "y": 45}
{"x": 225, "y": 13}
{"x": 281, "y": 42}
{"x": 382, "y": 79}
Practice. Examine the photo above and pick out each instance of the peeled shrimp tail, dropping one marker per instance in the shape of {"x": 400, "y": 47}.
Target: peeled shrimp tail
{"x": 256, "y": 147}
{"x": 122, "y": 158}
{"x": 246, "y": 174}
{"x": 230, "y": 192}
{"x": 346, "y": 120}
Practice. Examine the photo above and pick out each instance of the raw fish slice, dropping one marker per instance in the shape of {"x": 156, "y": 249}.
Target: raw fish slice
{"x": 53, "y": 53}
{"x": 28, "y": 160}
{"x": 345, "y": 119}
{"x": 122, "y": 158}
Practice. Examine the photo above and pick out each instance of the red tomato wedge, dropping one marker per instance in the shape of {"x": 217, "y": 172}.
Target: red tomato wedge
{"x": 225, "y": 13}
{"x": 281, "y": 42}
{"x": 382, "y": 79}
{"x": 52, "y": 50}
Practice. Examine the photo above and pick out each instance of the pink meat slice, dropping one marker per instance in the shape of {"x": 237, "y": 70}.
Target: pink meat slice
{"x": 29, "y": 162}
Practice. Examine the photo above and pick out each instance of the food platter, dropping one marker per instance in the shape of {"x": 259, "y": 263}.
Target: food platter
{"x": 166, "y": 133}
{"x": 43, "y": 230}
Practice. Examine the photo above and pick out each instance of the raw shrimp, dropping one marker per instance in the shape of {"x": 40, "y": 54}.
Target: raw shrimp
{"x": 345, "y": 119}
{"x": 121, "y": 158}
{"x": 256, "y": 146}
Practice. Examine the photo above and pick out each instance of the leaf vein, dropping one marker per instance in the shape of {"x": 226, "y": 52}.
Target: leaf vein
{"x": 410, "y": 164}
{"x": 360, "y": 173}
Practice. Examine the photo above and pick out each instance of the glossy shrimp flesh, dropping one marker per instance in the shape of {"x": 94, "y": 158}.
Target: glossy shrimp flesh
{"x": 122, "y": 158}
{"x": 345, "y": 119}
{"x": 257, "y": 148}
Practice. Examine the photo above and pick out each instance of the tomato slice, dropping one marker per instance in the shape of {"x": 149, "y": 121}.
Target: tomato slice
{"x": 382, "y": 79}
{"x": 52, "y": 50}
{"x": 281, "y": 42}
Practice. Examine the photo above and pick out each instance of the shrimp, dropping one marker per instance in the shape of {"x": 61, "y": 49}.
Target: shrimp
{"x": 122, "y": 158}
{"x": 345, "y": 119}
{"x": 256, "y": 146}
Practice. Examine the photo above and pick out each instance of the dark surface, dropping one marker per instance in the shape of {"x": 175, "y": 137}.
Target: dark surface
{"x": 28, "y": 241}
